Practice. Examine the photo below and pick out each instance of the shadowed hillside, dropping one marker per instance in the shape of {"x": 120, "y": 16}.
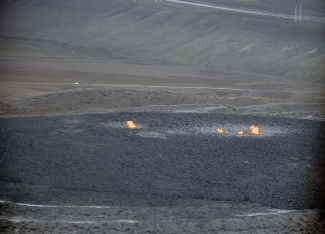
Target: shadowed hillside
{"x": 150, "y": 32}
{"x": 310, "y": 7}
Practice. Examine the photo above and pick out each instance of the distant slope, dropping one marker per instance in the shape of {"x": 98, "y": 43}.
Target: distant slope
{"x": 310, "y": 7}
{"x": 142, "y": 30}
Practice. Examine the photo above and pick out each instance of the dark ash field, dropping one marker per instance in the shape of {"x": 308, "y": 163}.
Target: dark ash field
{"x": 170, "y": 156}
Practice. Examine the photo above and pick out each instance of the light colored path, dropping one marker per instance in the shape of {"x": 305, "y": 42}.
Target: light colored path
{"x": 121, "y": 85}
{"x": 54, "y": 206}
{"x": 304, "y": 18}
{"x": 18, "y": 220}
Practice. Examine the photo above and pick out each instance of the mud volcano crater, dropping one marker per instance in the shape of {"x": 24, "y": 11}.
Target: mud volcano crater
{"x": 169, "y": 157}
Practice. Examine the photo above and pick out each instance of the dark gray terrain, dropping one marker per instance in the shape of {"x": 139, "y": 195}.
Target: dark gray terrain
{"x": 170, "y": 156}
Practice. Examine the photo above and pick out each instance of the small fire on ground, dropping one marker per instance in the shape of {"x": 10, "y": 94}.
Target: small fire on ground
{"x": 130, "y": 124}
{"x": 253, "y": 130}
{"x": 221, "y": 131}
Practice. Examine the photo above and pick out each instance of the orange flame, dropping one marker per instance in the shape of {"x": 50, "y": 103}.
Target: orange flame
{"x": 255, "y": 130}
{"x": 221, "y": 131}
{"x": 252, "y": 130}
{"x": 130, "y": 124}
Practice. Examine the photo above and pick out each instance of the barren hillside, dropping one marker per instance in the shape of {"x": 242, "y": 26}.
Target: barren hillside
{"x": 144, "y": 31}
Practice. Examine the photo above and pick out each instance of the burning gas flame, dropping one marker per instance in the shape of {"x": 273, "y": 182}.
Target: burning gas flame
{"x": 253, "y": 130}
{"x": 130, "y": 124}
{"x": 221, "y": 131}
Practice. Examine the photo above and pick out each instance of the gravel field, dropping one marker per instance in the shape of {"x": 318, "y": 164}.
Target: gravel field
{"x": 169, "y": 156}
{"x": 186, "y": 216}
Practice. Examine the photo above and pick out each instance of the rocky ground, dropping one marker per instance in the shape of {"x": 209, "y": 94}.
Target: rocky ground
{"x": 187, "y": 216}
{"x": 170, "y": 156}
{"x": 54, "y": 99}
{"x": 173, "y": 174}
